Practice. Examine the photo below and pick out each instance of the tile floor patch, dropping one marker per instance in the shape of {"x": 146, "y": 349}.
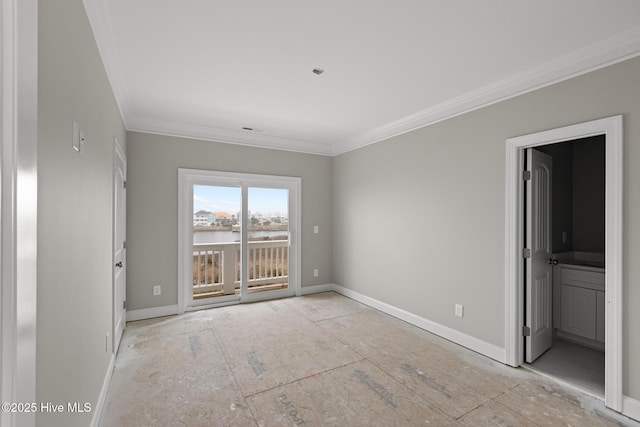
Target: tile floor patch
{"x": 257, "y": 366}
{"x": 322, "y": 345}
{"x": 290, "y": 409}
{"x": 375, "y": 387}
{"x": 358, "y": 394}
{"x": 196, "y": 346}
{"x": 430, "y": 381}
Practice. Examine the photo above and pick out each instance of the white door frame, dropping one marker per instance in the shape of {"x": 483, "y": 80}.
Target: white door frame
{"x": 18, "y": 205}
{"x": 611, "y": 127}
{"x": 118, "y": 152}
{"x": 186, "y": 179}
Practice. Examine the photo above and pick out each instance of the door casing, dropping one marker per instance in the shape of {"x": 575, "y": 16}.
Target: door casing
{"x": 611, "y": 127}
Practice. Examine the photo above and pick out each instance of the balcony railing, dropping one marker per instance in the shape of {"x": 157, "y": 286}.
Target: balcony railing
{"x": 216, "y": 267}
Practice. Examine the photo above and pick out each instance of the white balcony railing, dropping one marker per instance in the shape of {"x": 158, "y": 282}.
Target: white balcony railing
{"x": 216, "y": 267}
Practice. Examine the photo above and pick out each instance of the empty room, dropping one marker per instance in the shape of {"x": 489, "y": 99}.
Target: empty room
{"x": 197, "y": 199}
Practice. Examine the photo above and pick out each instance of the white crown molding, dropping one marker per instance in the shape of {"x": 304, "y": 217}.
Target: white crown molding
{"x": 614, "y": 49}
{"x": 617, "y": 48}
{"x": 229, "y": 136}
{"x": 98, "y": 14}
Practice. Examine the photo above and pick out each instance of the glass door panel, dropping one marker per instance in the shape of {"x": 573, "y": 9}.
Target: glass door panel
{"x": 216, "y": 241}
{"x": 267, "y": 266}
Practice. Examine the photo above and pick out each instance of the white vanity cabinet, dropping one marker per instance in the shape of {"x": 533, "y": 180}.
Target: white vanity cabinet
{"x": 582, "y": 303}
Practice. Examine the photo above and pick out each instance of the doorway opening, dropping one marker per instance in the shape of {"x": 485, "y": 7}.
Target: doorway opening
{"x": 565, "y": 218}
{"x": 238, "y": 238}
{"x": 517, "y": 327}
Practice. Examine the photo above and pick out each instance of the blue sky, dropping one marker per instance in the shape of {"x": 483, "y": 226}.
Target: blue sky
{"x": 228, "y": 199}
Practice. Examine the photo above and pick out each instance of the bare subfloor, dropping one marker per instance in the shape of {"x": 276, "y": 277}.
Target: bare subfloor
{"x": 323, "y": 360}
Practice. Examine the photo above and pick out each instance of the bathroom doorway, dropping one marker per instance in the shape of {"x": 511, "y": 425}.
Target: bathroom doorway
{"x": 515, "y": 249}
{"x": 564, "y": 277}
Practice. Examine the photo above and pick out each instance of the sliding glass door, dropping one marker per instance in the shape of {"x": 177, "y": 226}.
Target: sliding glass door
{"x": 237, "y": 237}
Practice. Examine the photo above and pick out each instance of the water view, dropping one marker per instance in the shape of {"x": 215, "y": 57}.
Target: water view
{"x": 233, "y": 236}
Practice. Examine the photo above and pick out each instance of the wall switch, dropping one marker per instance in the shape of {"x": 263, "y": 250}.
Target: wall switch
{"x": 316, "y": 229}
{"x": 315, "y": 272}
{"x": 459, "y": 310}
{"x": 157, "y": 290}
{"x": 75, "y": 136}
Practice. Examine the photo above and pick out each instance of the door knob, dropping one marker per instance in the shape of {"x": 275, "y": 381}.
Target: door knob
{"x": 119, "y": 264}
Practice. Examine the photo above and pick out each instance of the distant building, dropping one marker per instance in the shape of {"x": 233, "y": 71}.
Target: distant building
{"x": 202, "y": 218}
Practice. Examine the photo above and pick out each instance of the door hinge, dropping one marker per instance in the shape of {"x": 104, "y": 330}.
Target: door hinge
{"x": 526, "y": 331}
{"x": 124, "y": 305}
{"x": 124, "y": 184}
{"x": 526, "y": 175}
{"x": 124, "y": 245}
{"x": 526, "y": 253}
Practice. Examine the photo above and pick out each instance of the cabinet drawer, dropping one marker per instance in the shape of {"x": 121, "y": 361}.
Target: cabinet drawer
{"x": 584, "y": 279}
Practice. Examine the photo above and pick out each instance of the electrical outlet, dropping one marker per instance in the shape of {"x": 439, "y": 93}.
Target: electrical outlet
{"x": 157, "y": 290}
{"x": 315, "y": 272}
{"x": 459, "y": 310}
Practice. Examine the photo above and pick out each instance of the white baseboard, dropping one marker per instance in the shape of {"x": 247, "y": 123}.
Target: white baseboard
{"x": 97, "y": 410}
{"x": 169, "y": 310}
{"x": 472, "y": 343}
{"x": 315, "y": 289}
{"x": 631, "y": 407}
{"x": 150, "y": 313}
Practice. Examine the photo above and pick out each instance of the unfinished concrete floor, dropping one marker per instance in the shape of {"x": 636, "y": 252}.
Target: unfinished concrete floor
{"x": 320, "y": 360}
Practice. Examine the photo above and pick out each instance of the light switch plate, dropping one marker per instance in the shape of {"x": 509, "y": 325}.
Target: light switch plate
{"x": 459, "y": 310}
{"x": 75, "y": 136}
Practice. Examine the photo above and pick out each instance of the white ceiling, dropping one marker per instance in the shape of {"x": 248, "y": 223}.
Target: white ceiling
{"x": 208, "y": 68}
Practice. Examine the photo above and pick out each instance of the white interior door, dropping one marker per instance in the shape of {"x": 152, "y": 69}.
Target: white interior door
{"x": 119, "y": 244}
{"x": 539, "y": 272}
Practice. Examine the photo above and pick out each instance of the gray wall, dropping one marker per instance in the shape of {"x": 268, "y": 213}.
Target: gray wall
{"x": 588, "y": 195}
{"x": 74, "y": 212}
{"x": 562, "y": 197}
{"x": 578, "y": 194}
{"x": 446, "y": 185}
{"x": 152, "y": 207}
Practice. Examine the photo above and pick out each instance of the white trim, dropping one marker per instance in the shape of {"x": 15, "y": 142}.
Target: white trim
{"x": 19, "y": 123}
{"x": 227, "y": 136}
{"x": 487, "y": 349}
{"x": 631, "y": 407}
{"x": 612, "y": 128}
{"x": 150, "y": 313}
{"x": 617, "y": 48}
{"x": 170, "y": 310}
{"x": 612, "y": 50}
{"x": 102, "y": 397}
{"x": 316, "y": 289}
